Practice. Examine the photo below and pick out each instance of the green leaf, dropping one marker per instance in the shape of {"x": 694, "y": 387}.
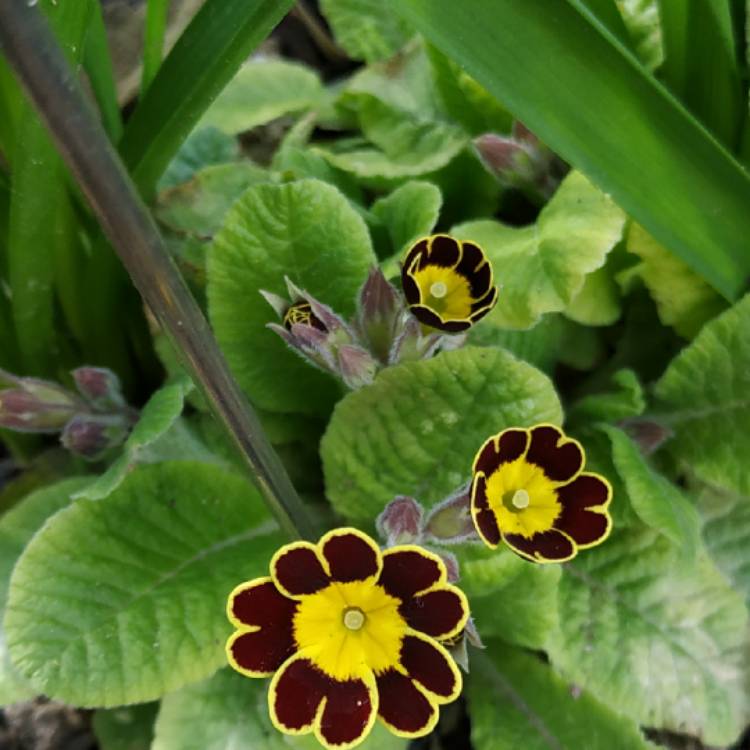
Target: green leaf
{"x": 231, "y": 711}
{"x": 627, "y": 401}
{"x": 204, "y": 148}
{"x": 683, "y": 300}
{"x": 158, "y": 415}
{"x": 153, "y": 40}
{"x": 126, "y": 727}
{"x": 411, "y": 211}
{"x": 403, "y": 144}
{"x": 205, "y": 58}
{"x": 366, "y": 29}
{"x": 658, "y": 502}
{"x": 308, "y": 231}
{"x": 262, "y": 91}
{"x": 516, "y": 700}
{"x": 522, "y": 608}
{"x": 17, "y": 527}
{"x": 598, "y": 302}
{"x": 541, "y": 268}
{"x": 661, "y": 642}
{"x": 538, "y": 346}
{"x": 122, "y": 600}
{"x": 641, "y": 19}
{"x": 415, "y": 431}
{"x": 498, "y": 42}
{"x": 704, "y": 398}
{"x": 198, "y": 207}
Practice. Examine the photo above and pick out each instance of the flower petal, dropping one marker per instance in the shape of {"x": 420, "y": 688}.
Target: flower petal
{"x": 475, "y": 268}
{"x": 549, "y": 546}
{"x": 259, "y": 603}
{"x": 404, "y": 708}
{"x": 441, "y": 613}
{"x": 430, "y": 318}
{"x": 350, "y": 711}
{"x": 350, "y": 555}
{"x": 482, "y": 306}
{"x": 295, "y": 695}
{"x": 560, "y": 457}
{"x": 444, "y": 250}
{"x": 297, "y": 570}
{"x": 259, "y": 653}
{"x": 431, "y": 666}
{"x": 501, "y": 449}
{"x": 408, "y": 569}
{"x": 584, "y": 516}
{"x": 484, "y": 518}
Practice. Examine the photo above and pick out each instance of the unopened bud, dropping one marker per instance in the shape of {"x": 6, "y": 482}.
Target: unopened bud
{"x": 450, "y": 521}
{"x": 379, "y": 308}
{"x": 451, "y": 565}
{"x": 36, "y": 406}
{"x": 401, "y": 521}
{"x": 357, "y": 368}
{"x": 646, "y": 434}
{"x": 100, "y": 387}
{"x": 91, "y": 436}
{"x": 511, "y": 161}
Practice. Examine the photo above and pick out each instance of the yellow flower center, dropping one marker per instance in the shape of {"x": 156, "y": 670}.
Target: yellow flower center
{"x": 444, "y": 291}
{"x": 348, "y": 629}
{"x": 523, "y": 498}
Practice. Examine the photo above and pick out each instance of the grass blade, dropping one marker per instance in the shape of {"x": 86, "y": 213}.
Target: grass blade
{"x": 582, "y": 92}
{"x": 153, "y": 40}
{"x": 210, "y": 51}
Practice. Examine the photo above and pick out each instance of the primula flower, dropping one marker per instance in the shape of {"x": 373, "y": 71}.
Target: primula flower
{"x": 448, "y": 283}
{"x": 529, "y": 489}
{"x": 349, "y": 633}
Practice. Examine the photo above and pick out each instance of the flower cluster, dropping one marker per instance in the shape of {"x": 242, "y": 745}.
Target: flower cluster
{"x": 447, "y": 287}
{"x": 349, "y": 633}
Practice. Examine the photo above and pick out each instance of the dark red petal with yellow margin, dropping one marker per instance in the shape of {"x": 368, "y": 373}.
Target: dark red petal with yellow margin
{"x": 417, "y": 250}
{"x": 294, "y": 696}
{"x": 445, "y": 251}
{"x": 408, "y": 570}
{"x": 440, "y": 613}
{"x": 403, "y": 707}
{"x": 475, "y": 268}
{"x": 484, "y": 518}
{"x": 349, "y": 713}
{"x": 501, "y": 449}
{"x": 578, "y": 520}
{"x": 351, "y": 555}
{"x": 410, "y": 287}
{"x": 297, "y": 570}
{"x": 482, "y": 306}
{"x": 549, "y": 546}
{"x": 560, "y": 457}
{"x": 260, "y": 603}
{"x": 431, "y": 666}
{"x": 261, "y": 652}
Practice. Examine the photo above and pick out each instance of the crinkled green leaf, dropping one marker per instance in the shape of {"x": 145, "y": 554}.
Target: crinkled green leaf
{"x": 306, "y": 230}
{"x": 660, "y": 641}
{"x": 366, "y": 29}
{"x": 627, "y": 401}
{"x": 541, "y": 268}
{"x": 403, "y": 144}
{"x": 198, "y": 207}
{"x": 411, "y": 211}
{"x": 517, "y": 701}
{"x": 641, "y": 19}
{"x": 521, "y": 607}
{"x": 231, "y": 711}
{"x": 203, "y": 148}
{"x": 17, "y": 527}
{"x": 126, "y": 727}
{"x": 683, "y": 299}
{"x": 704, "y": 398}
{"x": 598, "y": 302}
{"x": 159, "y": 414}
{"x": 416, "y": 429}
{"x": 122, "y": 600}
{"x": 261, "y": 91}
{"x": 658, "y": 502}
{"x": 581, "y": 347}
{"x": 538, "y": 346}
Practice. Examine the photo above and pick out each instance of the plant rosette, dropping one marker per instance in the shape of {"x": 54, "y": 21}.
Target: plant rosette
{"x": 350, "y": 634}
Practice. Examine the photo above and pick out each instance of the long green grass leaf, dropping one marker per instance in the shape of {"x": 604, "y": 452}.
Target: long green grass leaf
{"x": 206, "y": 56}
{"x": 153, "y": 40}
{"x": 582, "y": 92}
{"x": 701, "y": 63}
{"x": 38, "y": 204}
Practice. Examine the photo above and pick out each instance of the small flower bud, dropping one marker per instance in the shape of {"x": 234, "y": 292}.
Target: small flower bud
{"x": 646, "y": 434}
{"x": 511, "y": 161}
{"x": 33, "y": 405}
{"x": 451, "y": 565}
{"x": 401, "y": 521}
{"x": 356, "y": 367}
{"x": 379, "y": 307}
{"x": 100, "y": 387}
{"x": 450, "y": 521}
{"x": 91, "y": 436}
